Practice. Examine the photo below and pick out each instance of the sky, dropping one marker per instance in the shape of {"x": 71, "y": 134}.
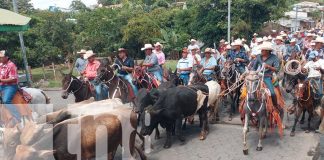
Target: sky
{"x": 44, "y": 4}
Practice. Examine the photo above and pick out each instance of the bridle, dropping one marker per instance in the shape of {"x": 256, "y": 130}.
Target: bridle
{"x": 309, "y": 93}
{"x": 73, "y": 92}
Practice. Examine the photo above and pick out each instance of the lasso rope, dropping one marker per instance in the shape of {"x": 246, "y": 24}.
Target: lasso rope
{"x": 291, "y": 71}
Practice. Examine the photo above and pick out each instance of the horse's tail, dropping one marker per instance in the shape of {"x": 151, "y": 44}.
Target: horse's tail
{"x": 47, "y": 99}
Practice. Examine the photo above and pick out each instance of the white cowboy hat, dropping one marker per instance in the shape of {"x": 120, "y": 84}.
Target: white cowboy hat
{"x": 266, "y": 46}
{"x": 2, "y": 53}
{"x": 158, "y": 44}
{"x": 310, "y": 35}
{"x": 222, "y": 41}
{"x": 243, "y": 40}
{"x": 237, "y": 43}
{"x": 274, "y": 31}
{"x": 265, "y": 38}
{"x": 279, "y": 38}
{"x": 293, "y": 40}
{"x": 282, "y": 32}
{"x": 283, "y": 35}
{"x": 147, "y": 46}
{"x": 319, "y": 40}
{"x": 82, "y": 51}
{"x": 226, "y": 43}
{"x": 259, "y": 40}
{"x": 312, "y": 43}
{"x": 255, "y": 34}
{"x": 269, "y": 37}
{"x": 228, "y": 47}
{"x": 88, "y": 54}
{"x": 208, "y": 50}
{"x": 214, "y": 51}
{"x": 192, "y": 40}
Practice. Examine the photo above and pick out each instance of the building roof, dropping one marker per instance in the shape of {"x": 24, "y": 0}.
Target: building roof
{"x": 11, "y": 18}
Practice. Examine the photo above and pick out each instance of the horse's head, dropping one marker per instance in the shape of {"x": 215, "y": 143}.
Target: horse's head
{"x": 70, "y": 84}
{"x": 105, "y": 72}
{"x": 290, "y": 82}
{"x": 253, "y": 84}
{"x": 228, "y": 69}
{"x": 302, "y": 90}
{"x": 175, "y": 78}
{"x": 197, "y": 76}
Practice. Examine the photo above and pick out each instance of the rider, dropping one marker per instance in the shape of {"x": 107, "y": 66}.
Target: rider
{"x": 238, "y": 56}
{"x": 81, "y": 63}
{"x": 271, "y": 64}
{"x": 126, "y": 65}
{"x": 319, "y": 43}
{"x": 90, "y": 73}
{"x": 184, "y": 66}
{"x": 8, "y": 86}
{"x": 209, "y": 63}
{"x": 293, "y": 48}
{"x": 151, "y": 62}
{"x": 279, "y": 47}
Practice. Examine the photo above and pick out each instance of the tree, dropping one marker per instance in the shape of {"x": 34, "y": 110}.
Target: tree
{"x": 108, "y": 2}
{"x": 78, "y": 5}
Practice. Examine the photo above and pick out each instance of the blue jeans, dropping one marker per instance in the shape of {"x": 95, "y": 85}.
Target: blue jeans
{"x": 129, "y": 79}
{"x": 268, "y": 83}
{"x": 158, "y": 75}
{"x": 185, "y": 78}
{"x": 317, "y": 83}
{"x": 8, "y": 92}
{"x": 102, "y": 90}
{"x": 208, "y": 77}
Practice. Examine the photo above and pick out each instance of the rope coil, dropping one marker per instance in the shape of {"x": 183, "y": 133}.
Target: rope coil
{"x": 292, "y": 70}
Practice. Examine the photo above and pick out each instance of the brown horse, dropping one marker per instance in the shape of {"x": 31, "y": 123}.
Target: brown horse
{"x": 144, "y": 79}
{"x": 72, "y": 85}
{"x": 305, "y": 101}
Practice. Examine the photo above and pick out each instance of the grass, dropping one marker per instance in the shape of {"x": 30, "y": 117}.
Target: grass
{"x": 51, "y": 82}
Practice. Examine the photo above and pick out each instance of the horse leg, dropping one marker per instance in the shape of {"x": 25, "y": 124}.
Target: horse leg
{"x": 261, "y": 123}
{"x": 297, "y": 115}
{"x": 310, "y": 115}
{"x": 303, "y": 117}
{"x": 245, "y": 129}
{"x": 232, "y": 107}
{"x": 167, "y": 143}
{"x": 204, "y": 120}
{"x": 184, "y": 125}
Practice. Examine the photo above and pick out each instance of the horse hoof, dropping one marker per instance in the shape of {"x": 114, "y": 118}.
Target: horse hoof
{"x": 292, "y": 134}
{"x": 202, "y": 137}
{"x": 230, "y": 118}
{"x": 259, "y": 148}
{"x": 307, "y": 131}
{"x": 245, "y": 151}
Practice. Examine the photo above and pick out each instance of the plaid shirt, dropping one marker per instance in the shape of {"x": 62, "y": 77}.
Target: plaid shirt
{"x": 8, "y": 71}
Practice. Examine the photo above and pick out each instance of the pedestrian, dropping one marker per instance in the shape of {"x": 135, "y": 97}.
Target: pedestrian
{"x": 279, "y": 48}
{"x": 126, "y": 67}
{"x": 193, "y": 45}
{"x": 80, "y": 63}
{"x": 184, "y": 66}
{"x": 90, "y": 73}
{"x": 151, "y": 62}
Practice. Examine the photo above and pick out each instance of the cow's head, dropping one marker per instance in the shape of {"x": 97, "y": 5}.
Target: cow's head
{"x": 145, "y": 98}
{"x": 29, "y": 153}
{"x": 150, "y": 120}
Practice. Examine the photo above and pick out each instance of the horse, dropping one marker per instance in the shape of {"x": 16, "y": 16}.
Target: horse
{"x": 143, "y": 79}
{"x": 231, "y": 79}
{"x": 305, "y": 101}
{"x": 80, "y": 89}
{"x": 259, "y": 108}
{"x": 118, "y": 88}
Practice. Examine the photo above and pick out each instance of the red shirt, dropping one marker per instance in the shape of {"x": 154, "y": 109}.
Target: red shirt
{"x": 91, "y": 70}
{"x": 8, "y": 71}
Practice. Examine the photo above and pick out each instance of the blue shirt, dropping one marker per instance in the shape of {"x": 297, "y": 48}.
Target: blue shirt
{"x": 292, "y": 49}
{"x": 80, "y": 64}
{"x": 152, "y": 59}
{"x": 208, "y": 64}
{"x": 128, "y": 63}
{"x": 272, "y": 60}
{"x": 241, "y": 54}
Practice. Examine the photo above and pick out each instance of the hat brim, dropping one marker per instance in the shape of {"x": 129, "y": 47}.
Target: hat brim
{"x": 143, "y": 49}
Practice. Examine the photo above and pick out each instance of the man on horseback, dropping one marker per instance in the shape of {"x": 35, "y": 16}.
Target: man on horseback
{"x": 126, "y": 65}
{"x": 238, "y": 56}
{"x": 184, "y": 66}
{"x": 81, "y": 63}
{"x": 90, "y": 73}
{"x": 9, "y": 86}
{"x": 271, "y": 65}
{"x": 151, "y": 62}
{"x": 293, "y": 50}
{"x": 208, "y": 64}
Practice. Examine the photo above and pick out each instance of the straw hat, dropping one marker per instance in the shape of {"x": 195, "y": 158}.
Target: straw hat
{"x": 147, "y": 46}
{"x": 228, "y": 47}
{"x": 83, "y": 51}
{"x": 237, "y": 43}
{"x": 158, "y": 44}
{"x": 282, "y": 32}
{"x": 2, "y": 53}
{"x": 319, "y": 40}
{"x": 274, "y": 31}
{"x": 310, "y": 35}
{"x": 208, "y": 50}
{"x": 266, "y": 46}
{"x": 193, "y": 40}
{"x": 279, "y": 38}
{"x": 122, "y": 49}
{"x": 88, "y": 54}
{"x": 255, "y": 34}
{"x": 269, "y": 37}
{"x": 222, "y": 41}
{"x": 259, "y": 40}
{"x": 214, "y": 51}
{"x": 226, "y": 43}
{"x": 293, "y": 40}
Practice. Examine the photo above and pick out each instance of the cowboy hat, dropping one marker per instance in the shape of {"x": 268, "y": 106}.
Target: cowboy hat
{"x": 121, "y": 49}
{"x": 319, "y": 40}
{"x": 255, "y": 34}
{"x": 310, "y": 35}
{"x": 2, "y": 53}
{"x": 259, "y": 40}
{"x": 269, "y": 37}
{"x": 214, "y": 51}
{"x": 293, "y": 40}
{"x": 158, "y": 44}
{"x": 226, "y": 43}
{"x": 266, "y": 46}
{"x": 192, "y": 40}
{"x": 222, "y": 41}
{"x": 279, "y": 38}
{"x": 208, "y": 50}
{"x": 243, "y": 40}
{"x": 312, "y": 43}
{"x": 88, "y": 54}
{"x": 274, "y": 31}
{"x": 282, "y": 32}
{"x": 265, "y": 38}
{"x": 228, "y": 47}
{"x": 147, "y": 46}
{"x": 283, "y": 35}
{"x": 237, "y": 43}
{"x": 82, "y": 51}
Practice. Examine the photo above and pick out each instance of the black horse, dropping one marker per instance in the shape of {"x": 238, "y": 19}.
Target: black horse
{"x": 80, "y": 89}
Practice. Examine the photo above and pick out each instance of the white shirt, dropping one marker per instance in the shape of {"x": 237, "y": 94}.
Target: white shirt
{"x": 184, "y": 63}
{"x": 246, "y": 47}
{"x": 190, "y": 56}
{"x": 311, "y": 65}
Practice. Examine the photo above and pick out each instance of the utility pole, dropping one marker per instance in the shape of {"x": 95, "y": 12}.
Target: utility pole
{"x": 296, "y": 8}
{"x": 229, "y": 22}
{"x": 23, "y": 48}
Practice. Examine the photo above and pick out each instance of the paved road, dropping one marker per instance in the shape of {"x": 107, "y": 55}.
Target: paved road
{"x": 224, "y": 142}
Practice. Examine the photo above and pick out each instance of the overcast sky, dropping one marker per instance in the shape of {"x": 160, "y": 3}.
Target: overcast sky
{"x": 44, "y": 4}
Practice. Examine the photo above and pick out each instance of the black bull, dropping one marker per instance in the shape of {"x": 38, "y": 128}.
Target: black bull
{"x": 171, "y": 107}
